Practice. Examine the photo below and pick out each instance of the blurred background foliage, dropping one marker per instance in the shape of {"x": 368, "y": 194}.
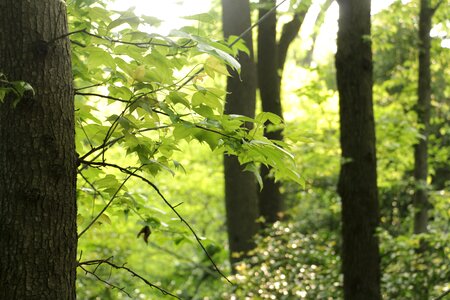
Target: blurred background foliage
{"x": 297, "y": 258}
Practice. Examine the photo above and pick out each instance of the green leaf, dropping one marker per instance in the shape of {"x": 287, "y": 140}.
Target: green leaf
{"x": 214, "y": 65}
{"x": 98, "y": 56}
{"x": 3, "y": 92}
{"x": 109, "y": 184}
{"x": 251, "y": 167}
{"x": 203, "y": 17}
{"x": 127, "y": 17}
{"x": 178, "y": 97}
{"x": 220, "y": 54}
{"x": 104, "y": 219}
{"x": 152, "y": 21}
{"x": 268, "y": 116}
{"x": 181, "y": 131}
{"x": 212, "y": 139}
{"x": 207, "y": 99}
{"x": 239, "y": 46}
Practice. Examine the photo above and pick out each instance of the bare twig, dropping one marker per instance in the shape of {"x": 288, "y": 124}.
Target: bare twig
{"x": 111, "y": 40}
{"x": 156, "y": 189}
{"x": 96, "y": 192}
{"x": 108, "y": 204}
{"x": 112, "y": 142}
{"x": 102, "y": 96}
{"x": 181, "y": 257}
{"x": 436, "y": 7}
{"x": 113, "y": 286}
{"x": 88, "y": 87}
{"x": 107, "y": 261}
{"x": 441, "y": 296}
{"x": 85, "y": 134}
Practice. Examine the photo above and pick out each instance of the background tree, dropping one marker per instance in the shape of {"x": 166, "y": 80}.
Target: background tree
{"x": 423, "y": 109}
{"x": 271, "y": 60}
{"x": 37, "y": 154}
{"x": 357, "y": 185}
{"x": 241, "y": 196}
{"x": 270, "y": 198}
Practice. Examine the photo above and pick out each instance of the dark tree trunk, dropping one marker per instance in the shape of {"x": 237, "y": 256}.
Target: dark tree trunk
{"x": 423, "y": 116}
{"x": 357, "y": 185}
{"x": 288, "y": 34}
{"x": 270, "y": 198}
{"x": 241, "y": 196}
{"x": 38, "y": 235}
{"x": 271, "y": 60}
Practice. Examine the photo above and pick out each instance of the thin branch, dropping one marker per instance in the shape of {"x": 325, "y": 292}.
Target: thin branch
{"x": 216, "y": 132}
{"x": 156, "y": 189}
{"x": 181, "y": 257}
{"x": 107, "y": 205}
{"x": 113, "y": 286}
{"x": 102, "y": 96}
{"x": 111, "y": 130}
{"x": 107, "y": 261}
{"x": 89, "y": 86}
{"x": 137, "y": 44}
{"x": 112, "y": 142}
{"x": 443, "y": 295}
{"x": 78, "y": 43}
{"x": 96, "y": 192}
{"x": 436, "y": 7}
{"x": 86, "y": 135}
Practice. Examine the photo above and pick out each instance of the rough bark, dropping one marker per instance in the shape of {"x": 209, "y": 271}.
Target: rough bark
{"x": 423, "y": 116}
{"x": 37, "y": 157}
{"x": 357, "y": 185}
{"x": 270, "y": 198}
{"x": 241, "y": 196}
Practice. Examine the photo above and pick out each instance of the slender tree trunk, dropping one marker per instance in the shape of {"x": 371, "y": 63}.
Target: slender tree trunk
{"x": 241, "y": 196}
{"x": 270, "y": 198}
{"x": 423, "y": 115}
{"x": 288, "y": 34}
{"x": 358, "y": 176}
{"x": 271, "y": 60}
{"x": 38, "y": 235}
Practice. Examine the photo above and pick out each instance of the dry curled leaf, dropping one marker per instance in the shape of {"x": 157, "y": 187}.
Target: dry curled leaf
{"x": 145, "y": 231}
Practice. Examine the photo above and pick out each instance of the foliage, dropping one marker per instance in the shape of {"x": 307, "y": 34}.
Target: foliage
{"x": 18, "y": 89}
{"x": 290, "y": 265}
{"x": 405, "y": 268}
{"x": 140, "y": 98}
{"x": 315, "y": 217}
{"x": 151, "y": 133}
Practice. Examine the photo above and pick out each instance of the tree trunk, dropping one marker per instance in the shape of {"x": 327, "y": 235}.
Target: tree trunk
{"x": 357, "y": 185}
{"x": 270, "y": 198}
{"x": 423, "y": 116}
{"x": 38, "y": 235}
{"x": 241, "y": 196}
{"x": 271, "y": 60}
{"x": 288, "y": 34}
